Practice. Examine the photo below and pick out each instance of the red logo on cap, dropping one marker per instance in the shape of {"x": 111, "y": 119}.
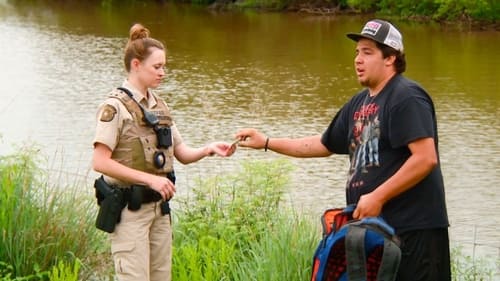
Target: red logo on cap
{"x": 371, "y": 27}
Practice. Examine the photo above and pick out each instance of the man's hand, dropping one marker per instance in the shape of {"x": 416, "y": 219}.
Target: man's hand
{"x": 368, "y": 206}
{"x": 251, "y": 138}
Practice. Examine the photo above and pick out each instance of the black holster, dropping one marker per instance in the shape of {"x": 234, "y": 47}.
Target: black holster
{"x": 111, "y": 202}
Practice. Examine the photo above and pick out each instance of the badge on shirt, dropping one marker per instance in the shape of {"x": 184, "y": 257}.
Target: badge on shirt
{"x": 108, "y": 113}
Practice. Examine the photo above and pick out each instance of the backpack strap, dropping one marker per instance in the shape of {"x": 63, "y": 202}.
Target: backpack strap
{"x": 390, "y": 261}
{"x": 355, "y": 253}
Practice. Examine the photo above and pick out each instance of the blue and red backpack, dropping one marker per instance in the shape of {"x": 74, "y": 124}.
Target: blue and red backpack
{"x": 355, "y": 250}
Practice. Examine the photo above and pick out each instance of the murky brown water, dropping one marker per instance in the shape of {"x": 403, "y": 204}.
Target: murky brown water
{"x": 284, "y": 73}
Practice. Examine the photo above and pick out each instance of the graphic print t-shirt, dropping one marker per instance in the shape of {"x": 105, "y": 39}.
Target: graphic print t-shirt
{"x": 375, "y": 132}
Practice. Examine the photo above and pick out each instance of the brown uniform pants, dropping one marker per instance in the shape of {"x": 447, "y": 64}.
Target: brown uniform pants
{"x": 142, "y": 245}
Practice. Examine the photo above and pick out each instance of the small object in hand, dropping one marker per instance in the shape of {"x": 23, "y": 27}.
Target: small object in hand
{"x": 235, "y": 143}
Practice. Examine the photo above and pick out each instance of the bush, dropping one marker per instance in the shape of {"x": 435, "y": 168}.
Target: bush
{"x": 236, "y": 229}
{"x": 465, "y": 268}
{"x": 485, "y": 10}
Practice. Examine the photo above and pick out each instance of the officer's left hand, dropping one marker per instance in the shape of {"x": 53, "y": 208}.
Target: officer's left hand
{"x": 367, "y": 206}
{"x": 162, "y": 185}
{"x": 223, "y": 149}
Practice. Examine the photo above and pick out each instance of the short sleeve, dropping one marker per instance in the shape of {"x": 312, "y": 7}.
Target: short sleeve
{"x": 176, "y": 135}
{"x": 109, "y": 120}
{"x": 411, "y": 119}
{"x": 335, "y": 136}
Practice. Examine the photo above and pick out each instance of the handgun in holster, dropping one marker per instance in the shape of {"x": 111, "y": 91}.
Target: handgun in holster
{"x": 111, "y": 202}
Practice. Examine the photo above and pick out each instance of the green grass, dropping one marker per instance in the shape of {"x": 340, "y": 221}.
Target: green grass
{"x": 230, "y": 227}
{"x": 41, "y": 225}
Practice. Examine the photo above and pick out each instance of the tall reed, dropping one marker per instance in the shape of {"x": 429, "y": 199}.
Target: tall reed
{"x": 41, "y": 224}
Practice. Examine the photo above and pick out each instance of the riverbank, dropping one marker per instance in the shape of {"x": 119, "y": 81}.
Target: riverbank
{"x": 465, "y": 16}
{"x": 451, "y": 14}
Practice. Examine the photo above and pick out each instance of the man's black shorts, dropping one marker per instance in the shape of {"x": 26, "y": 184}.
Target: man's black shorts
{"x": 425, "y": 255}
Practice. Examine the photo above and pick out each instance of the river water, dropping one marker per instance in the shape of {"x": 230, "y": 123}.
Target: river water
{"x": 286, "y": 74}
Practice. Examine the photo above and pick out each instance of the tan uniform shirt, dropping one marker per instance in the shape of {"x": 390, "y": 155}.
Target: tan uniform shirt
{"x": 111, "y": 117}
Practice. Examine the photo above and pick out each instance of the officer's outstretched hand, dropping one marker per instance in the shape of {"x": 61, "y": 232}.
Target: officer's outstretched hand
{"x": 251, "y": 137}
{"x": 223, "y": 149}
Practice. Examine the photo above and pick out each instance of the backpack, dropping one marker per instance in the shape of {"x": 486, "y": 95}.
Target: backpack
{"x": 355, "y": 250}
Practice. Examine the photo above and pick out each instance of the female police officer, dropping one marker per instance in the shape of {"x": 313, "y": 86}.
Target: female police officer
{"x": 134, "y": 146}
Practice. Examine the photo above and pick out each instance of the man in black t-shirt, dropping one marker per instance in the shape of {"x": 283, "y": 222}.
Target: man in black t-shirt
{"x": 389, "y": 131}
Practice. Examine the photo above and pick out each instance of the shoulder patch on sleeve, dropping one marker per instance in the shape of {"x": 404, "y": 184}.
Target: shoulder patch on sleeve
{"x": 107, "y": 113}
